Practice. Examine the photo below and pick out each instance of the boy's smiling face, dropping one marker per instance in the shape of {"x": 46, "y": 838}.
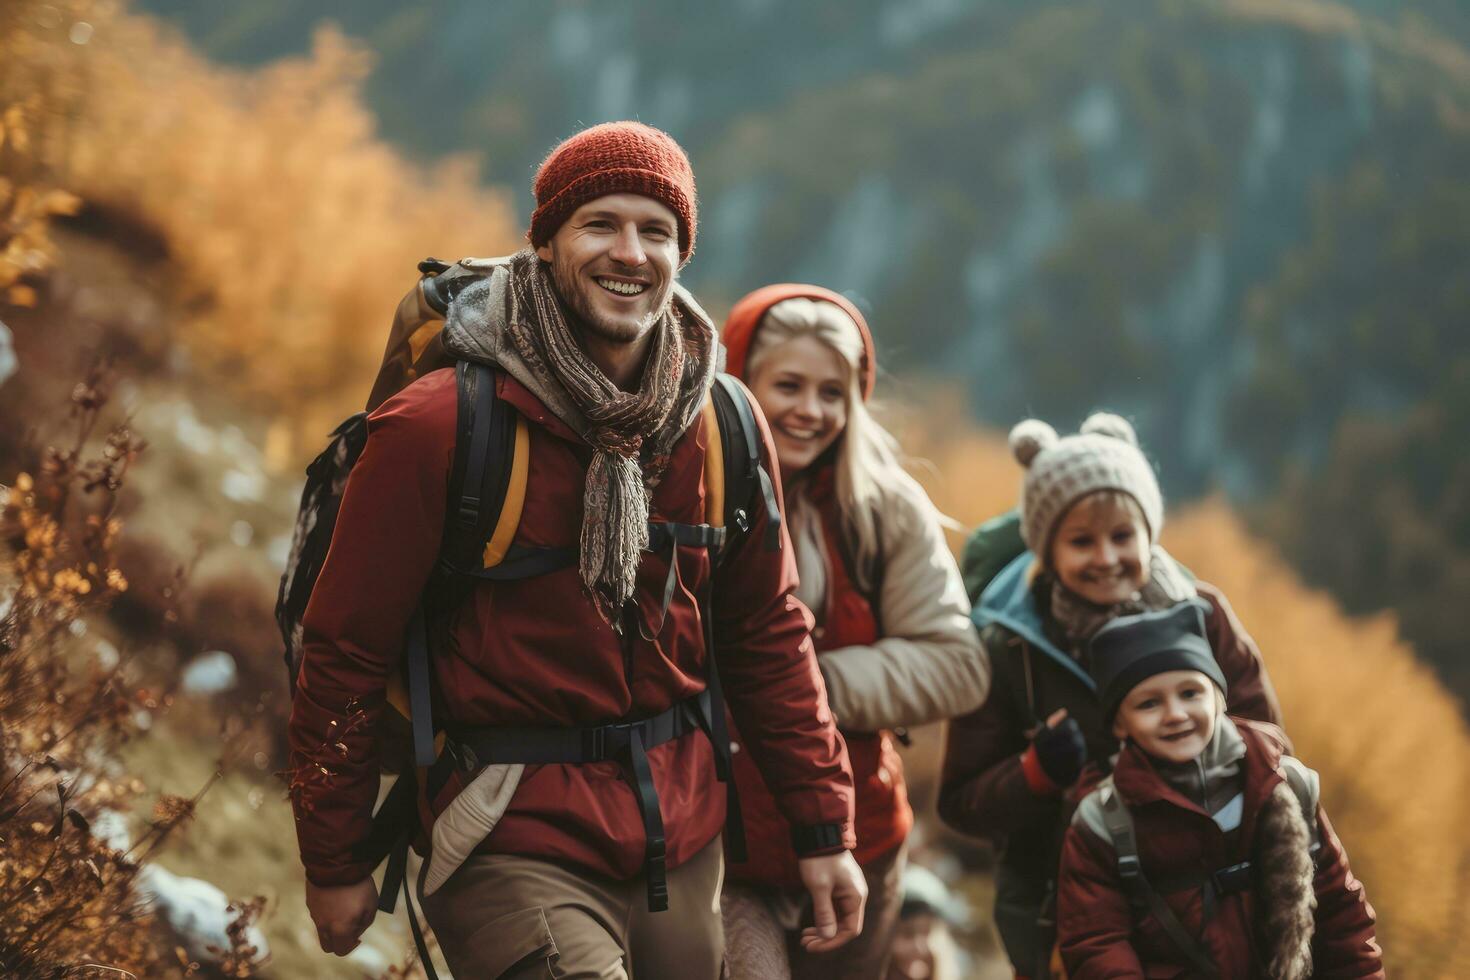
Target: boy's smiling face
{"x": 1171, "y": 715}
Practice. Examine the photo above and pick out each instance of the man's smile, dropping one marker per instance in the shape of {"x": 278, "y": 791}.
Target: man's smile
{"x": 620, "y": 287}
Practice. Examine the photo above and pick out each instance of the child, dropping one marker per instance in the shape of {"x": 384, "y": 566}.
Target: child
{"x": 1196, "y": 857}
{"x": 1091, "y": 513}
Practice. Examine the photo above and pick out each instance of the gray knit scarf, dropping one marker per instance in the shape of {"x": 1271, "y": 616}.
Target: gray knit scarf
{"x": 632, "y": 433}
{"x": 1167, "y": 585}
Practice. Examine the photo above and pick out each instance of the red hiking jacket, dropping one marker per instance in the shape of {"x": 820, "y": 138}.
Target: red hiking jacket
{"x": 1097, "y": 929}
{"x": 535, "y": 653}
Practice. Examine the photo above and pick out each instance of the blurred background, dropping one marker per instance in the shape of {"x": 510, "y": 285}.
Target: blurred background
{"x": 1243, "y": 224}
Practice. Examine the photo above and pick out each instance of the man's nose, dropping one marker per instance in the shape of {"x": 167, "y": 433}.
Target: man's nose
{"x": 628, "y": 247}
{"x": 1174, "y": 710}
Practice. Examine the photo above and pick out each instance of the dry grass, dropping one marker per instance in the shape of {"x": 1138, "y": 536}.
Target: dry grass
{"x": 292, "y": 231}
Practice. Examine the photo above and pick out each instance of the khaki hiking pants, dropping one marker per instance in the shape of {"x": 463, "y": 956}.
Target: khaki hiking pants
{"x": 519, "y": 918}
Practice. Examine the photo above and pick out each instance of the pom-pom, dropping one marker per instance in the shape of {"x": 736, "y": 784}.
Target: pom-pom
{"x": 1030, "y": 437}
{"x": 1108, "y": 424}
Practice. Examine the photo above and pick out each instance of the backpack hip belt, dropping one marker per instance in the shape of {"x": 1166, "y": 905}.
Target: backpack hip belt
{"x": 624, "y": 741}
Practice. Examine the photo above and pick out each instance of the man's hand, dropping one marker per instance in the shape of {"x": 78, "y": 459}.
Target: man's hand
{"x": 838, "y": 891}
{"x": 342, "y": 913}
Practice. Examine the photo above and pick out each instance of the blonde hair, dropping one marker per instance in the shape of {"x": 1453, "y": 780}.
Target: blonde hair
{"x": 866, "y": 457}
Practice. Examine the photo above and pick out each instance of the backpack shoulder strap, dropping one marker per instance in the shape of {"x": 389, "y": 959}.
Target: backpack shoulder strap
{"x": 745, "y": 476}
{"x": 486, "y": 437}
{"x": 1118, "y": 822}
{"x": 1306, "y": 787}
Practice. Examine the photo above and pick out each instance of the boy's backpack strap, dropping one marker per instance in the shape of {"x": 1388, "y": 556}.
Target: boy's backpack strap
{"x": 1305, "y": 786}
{"x": 1141, "y": 894}
{"x": 744, "y": 473}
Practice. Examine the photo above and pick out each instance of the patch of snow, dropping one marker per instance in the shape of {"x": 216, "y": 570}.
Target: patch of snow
{"x": 8, "y": 360}
{"x": 370, "y": 959}
{"x": 210, "y": 673}
{"x": 243, "y": 486}
{"x": 108, "y": 656}
{"x": 111, "y": 828}
{"x": 197, "y": 910}
{"x": 242, "y": 533}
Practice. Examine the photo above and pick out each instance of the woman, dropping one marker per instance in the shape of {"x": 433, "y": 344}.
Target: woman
{"x": 892, "y": 632}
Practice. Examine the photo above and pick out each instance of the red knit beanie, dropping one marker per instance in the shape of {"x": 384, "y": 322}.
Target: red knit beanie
{"x": 745, "y": 319}
{"x": 614, "y": 158}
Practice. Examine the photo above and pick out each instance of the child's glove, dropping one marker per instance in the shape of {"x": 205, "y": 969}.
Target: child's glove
{"x": 1061, "y": 752}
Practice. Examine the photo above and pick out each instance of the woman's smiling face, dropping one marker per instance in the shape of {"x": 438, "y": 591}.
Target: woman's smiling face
{"x": 802, "y": 389}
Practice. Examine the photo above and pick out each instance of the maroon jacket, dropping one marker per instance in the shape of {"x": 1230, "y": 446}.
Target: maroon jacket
{"x": 536, "y": 653}
{"x": 1100, "y": 936}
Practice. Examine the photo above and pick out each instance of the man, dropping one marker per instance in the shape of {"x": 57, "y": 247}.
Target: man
{"x": 609, "y": 362}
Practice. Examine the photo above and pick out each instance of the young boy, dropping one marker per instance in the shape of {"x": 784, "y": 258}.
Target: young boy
{"x": 1195, "y": 857}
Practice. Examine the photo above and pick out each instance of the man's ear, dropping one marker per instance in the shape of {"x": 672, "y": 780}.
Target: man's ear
{"x": 1119, "y": 732}
{"x": 544, "y": 252}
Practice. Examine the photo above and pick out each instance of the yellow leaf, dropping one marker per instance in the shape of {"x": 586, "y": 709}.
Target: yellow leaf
{"x": 21, "y": 295}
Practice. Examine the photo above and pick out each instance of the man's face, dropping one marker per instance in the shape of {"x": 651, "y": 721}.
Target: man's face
{"x": 614, "y": 262}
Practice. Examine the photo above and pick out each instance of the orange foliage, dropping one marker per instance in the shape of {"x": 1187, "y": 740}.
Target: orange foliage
{"x": 291, "y": 229}
{"x": 1390, "y": 742}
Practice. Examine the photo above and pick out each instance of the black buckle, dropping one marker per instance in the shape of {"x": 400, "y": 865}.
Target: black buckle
{"x": 469, "y": 509}
{"x": 1232, "y": 879}
{"x": 594, "y": 744}
{"x": 1128, "y": 866}
{"x": 656, "y": 869}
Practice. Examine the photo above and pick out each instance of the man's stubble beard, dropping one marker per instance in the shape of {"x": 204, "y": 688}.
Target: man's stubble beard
{"x": 569, "y": 286}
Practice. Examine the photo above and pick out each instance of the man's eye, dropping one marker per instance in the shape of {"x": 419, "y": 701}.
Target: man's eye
{"x": 832, "y": 393}
{"x": 599, "y": 224}
{"x": 1145, "y": 705}
{"x": 1122, "y": 536}
{"x": 787, "y": 386}
{"x": 658, "y": 233}
{"x": 1080, "y": 542}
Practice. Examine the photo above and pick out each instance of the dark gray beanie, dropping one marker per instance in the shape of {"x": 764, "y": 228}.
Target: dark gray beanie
{"x": 1130, "y": 649}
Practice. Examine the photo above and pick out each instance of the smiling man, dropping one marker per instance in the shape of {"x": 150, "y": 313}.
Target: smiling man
{"x": 557, "y": 867}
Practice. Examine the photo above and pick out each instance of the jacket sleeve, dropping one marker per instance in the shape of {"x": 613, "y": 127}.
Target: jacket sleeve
{"x": 1251, "y": 693}
{"x": 1344, "y": 944}
{"x": 768, "y": 668}
{"x": 383, "y": 548}
{"x": 1094, "y": 920}
{"x": 929, "y": 664}
{"x": 985, "y": 789}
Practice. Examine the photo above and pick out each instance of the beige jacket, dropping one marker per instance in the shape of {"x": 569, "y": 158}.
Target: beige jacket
{"x": 929, "y": 664}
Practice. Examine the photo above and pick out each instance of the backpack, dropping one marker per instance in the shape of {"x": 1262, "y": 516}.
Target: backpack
{"x": 487, "y": 487}
{"x": 990, "y": 548}
{"x": 1145, "y": 898}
